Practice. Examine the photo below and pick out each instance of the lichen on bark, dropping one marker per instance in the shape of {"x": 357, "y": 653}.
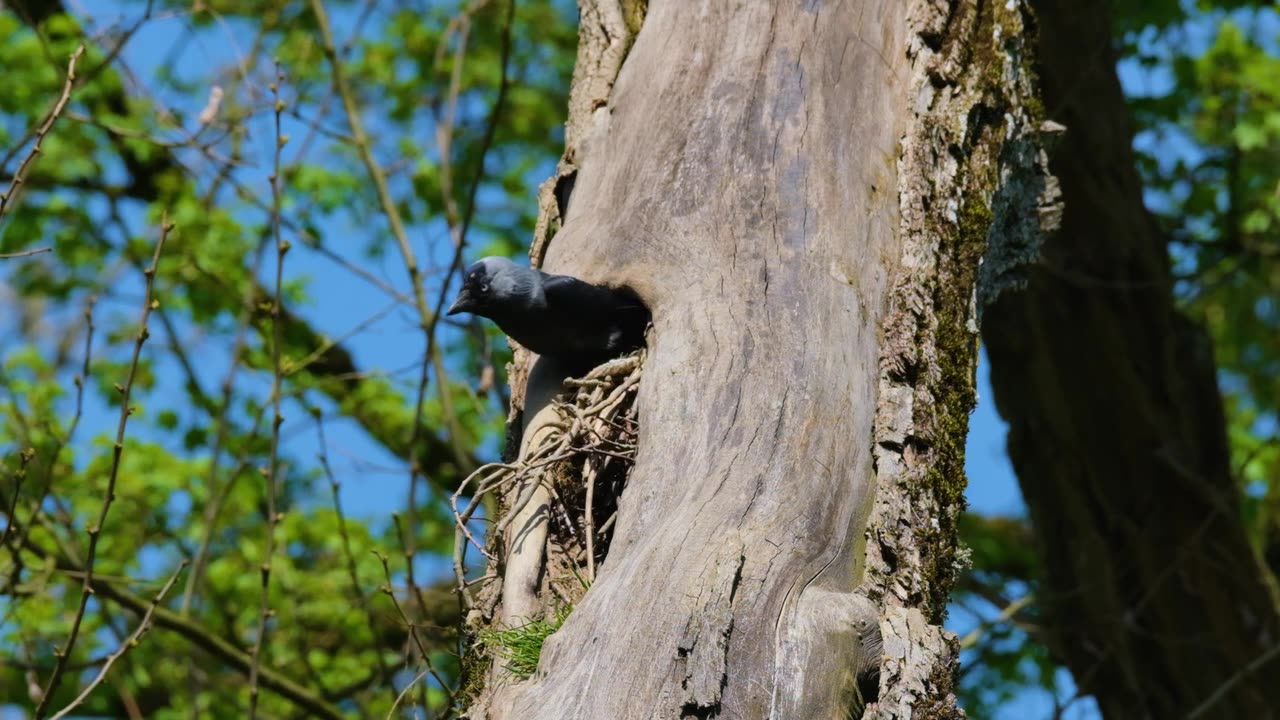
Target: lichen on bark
{"x": 973, "y": 144}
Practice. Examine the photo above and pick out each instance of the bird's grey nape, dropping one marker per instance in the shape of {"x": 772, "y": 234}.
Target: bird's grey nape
{"x": 513, "y": 282}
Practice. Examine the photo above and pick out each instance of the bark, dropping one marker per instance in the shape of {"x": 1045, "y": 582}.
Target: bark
{"x": 1154, "y": 597}
{"x": 800, "y": 191}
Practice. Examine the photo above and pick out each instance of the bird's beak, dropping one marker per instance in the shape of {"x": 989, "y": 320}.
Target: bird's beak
{"x": 461, "y": 304}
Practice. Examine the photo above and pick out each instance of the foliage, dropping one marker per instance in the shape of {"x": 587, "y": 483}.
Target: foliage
{"x": 1218, "y": 197}
{"x": 172, "y": 115}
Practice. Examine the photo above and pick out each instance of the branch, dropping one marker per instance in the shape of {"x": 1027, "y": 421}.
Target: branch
{"x": 23, "y": 253}
{"x": 1008, "y": 613}
{"x": 277, "y": 376}
{"x": 200, "y": 637}
{"x": 356, "y": 591}
{"x": 45, "y": 127}
{"x": 1234, "y": 680}
{"x": 131, "y": 642}
{"x": 95, "y": 530}
{"x": 335, "y": 370}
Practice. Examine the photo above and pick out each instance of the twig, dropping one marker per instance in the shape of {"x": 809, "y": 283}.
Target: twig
{"x": 20, "y": 175}
{"x": 1007, "y": 614}
{"x": 223, "y": 420}
{"x": 277, "y": 376}
{"x": 143, "y": 626}
{"x": 400, "y": 697}
{"x": 458, "y": 226}
{"x": 364, "y": 147}
{"x": 23, "y": 253}
{"x": 1256, "y": 664}
{"x": 413, "y": 628}
{"x": 406, "y": 547}
{"x": 193, "y": 632}
{"x": 95, "y": 530}
{"x": 24, "y": 458}
{"x": 329, "y": 344}
{"x": 589, "y": 478}
{"x": 64, "y": 439}
{"x": 356, "y": 590}
{"x": 383, "y": 191}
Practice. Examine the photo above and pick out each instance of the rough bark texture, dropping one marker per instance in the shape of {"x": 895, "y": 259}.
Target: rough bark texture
{"x": 800, "y": 191}
{"x": 1153, "y": 595}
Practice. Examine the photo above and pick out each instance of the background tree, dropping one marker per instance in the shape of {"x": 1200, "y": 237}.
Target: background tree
{"x": 1152, "y": 592}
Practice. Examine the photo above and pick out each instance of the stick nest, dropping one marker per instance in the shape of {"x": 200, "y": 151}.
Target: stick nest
{"x": 582, "y": 460}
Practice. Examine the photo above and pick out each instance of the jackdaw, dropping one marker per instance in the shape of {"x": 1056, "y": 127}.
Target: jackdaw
{"x": 553, "y": 315}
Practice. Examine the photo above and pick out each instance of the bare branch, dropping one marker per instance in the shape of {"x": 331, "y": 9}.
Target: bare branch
{"x": 143, "y": 626}
{"x": 194, "y": 633}
{"x": 23, "y": 253}
{"x": 356, "y": 591}
{"x": 1008, "y": 613}
{"x": 413, "y": 629}
{"x": 277, "y": 377}
{"x": 45, "y": 127}
{"x": 95, "y": 530}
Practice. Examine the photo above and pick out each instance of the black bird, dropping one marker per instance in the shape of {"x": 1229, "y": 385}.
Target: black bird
{"x": 554, "y": 315}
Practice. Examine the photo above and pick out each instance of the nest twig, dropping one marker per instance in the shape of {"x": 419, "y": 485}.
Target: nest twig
{"x": 581, "y": 460}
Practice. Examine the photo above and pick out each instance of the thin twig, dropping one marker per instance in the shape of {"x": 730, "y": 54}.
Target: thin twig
{"x": 1007, "y": 614}
{"x": 95, "y": 530}
{"x": 400, "y": 697}
{"x": 329, "y": 344}
{"x": 382, "y": 189}
{"x": 23, "y": 253}
{"x": 64, "y": 439}
{"x": 24, "y": 458}
{"x": 1254, "y": 665}
{"x": 277, "y": 376}
{"x": 143, "y": 626}
{"x": 412, "y": 627}
{"x": 365, "y": 149}
{"x": 193, "y": 632}
{"x": 589, "y": 478}
{"x": 20, "y": 175}
{"x": 406, "y": 547}
{"x": 356, "y": 591}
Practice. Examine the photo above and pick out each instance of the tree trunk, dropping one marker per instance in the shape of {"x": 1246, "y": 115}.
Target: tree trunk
{"x": 800, "y": 191}
{"x": 1153, "y": 594}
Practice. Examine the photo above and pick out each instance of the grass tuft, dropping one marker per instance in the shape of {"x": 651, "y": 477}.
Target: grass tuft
{"x": 520, "y": 647}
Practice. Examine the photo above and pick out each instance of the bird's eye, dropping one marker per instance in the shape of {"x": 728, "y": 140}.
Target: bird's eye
{"x": 484, "y": 287}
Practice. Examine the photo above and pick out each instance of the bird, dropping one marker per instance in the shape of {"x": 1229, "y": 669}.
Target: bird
{"x": 553, "y": 315}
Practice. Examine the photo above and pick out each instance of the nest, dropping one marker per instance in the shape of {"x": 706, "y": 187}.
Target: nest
{"x": 581, "y": 460}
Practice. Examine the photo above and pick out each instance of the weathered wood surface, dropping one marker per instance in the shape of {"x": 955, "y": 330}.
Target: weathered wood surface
{"x": 741, "y": 173}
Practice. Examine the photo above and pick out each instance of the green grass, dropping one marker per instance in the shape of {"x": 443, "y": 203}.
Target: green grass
{"x": 520, "y": 647}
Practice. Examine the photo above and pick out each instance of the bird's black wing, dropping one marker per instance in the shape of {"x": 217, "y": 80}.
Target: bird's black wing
{"x": 564, "y": 292}
{"x": 594, "y": 318}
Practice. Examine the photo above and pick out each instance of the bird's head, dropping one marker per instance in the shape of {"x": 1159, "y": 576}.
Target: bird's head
{"x": 493, "y": 284}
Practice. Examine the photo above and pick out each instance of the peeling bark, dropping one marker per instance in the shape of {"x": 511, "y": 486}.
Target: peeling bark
{"x": 800, "y": 191}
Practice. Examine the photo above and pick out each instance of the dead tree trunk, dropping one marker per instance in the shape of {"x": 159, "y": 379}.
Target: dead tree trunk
{"x": 1155, "y": 599}
{"x": 801, "y": 192}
